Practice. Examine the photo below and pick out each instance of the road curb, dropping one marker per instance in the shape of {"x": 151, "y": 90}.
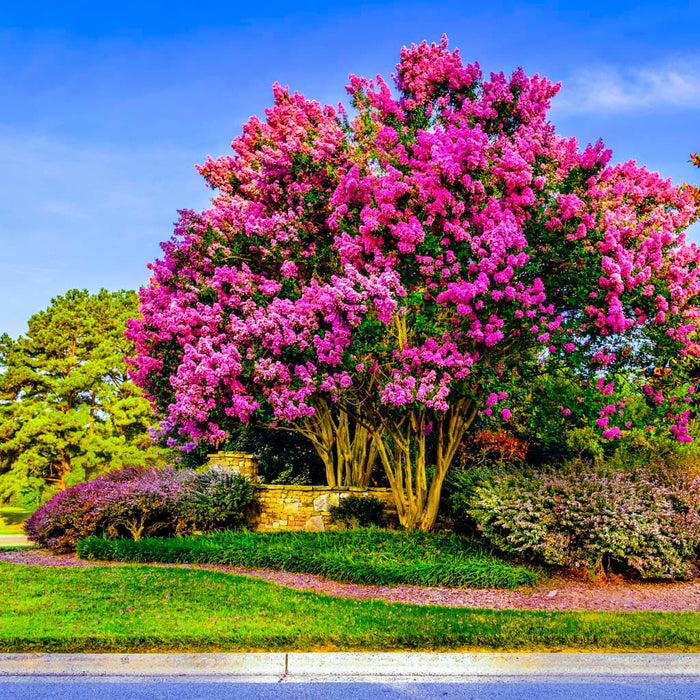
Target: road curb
{"x": 14, "y": 541}
{"x": 349, "y": 665}
{"x": 494, "y": 664}
{"x": 266, "y": 664}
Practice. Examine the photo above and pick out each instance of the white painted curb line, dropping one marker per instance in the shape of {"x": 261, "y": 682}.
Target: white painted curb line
{"x": 490, "y": 664}
{"x": 142, "y": 664}
{"x": 353, "y": 666}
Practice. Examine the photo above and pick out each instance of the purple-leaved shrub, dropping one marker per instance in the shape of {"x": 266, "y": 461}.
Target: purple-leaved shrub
{"x": 597, "y": 519}
{"x": 148, "y": 504}
{"x": 65, "y": 518}
{"x": 140, "y": 502}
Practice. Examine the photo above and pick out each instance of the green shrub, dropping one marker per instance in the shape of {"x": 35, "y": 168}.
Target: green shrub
{"x": 358, "y": 511}
{"x": 457, "y": 493}
{"x": 219, "y": 499}
{"x": 644, "y": 520}
{"x": 365, "y": 556}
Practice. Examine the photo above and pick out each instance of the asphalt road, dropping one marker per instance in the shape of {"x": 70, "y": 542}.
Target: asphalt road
{"x": 191, "y": 689}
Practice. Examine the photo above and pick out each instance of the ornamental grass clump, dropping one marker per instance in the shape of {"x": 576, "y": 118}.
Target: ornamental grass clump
{"x": 217, "y": 499}
{"x": 138, "y": 503}
{"x": 594, "y": 519}
{"x": 363, "y": 555}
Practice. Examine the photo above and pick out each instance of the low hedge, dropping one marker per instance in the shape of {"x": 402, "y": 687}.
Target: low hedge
{"x": 358, "y": 511}
{"x": 641, "y": 520}
{"x": 139, "y": 503}
{"x": 365, "y": 556}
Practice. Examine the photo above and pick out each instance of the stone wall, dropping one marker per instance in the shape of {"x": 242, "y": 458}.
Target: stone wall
{"x": 291, "y": 507}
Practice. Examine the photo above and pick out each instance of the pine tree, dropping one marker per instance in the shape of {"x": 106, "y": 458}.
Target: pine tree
{"x": 67, "y": 408}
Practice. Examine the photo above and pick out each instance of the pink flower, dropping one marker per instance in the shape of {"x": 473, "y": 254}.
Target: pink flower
{"x": 391, "y": 257}
{"x": 612, "y": 433}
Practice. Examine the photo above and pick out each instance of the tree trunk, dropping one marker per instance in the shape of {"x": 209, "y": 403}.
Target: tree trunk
{"x": 135, "y": 528}
{"x": 402, "y": 447}
{"x": 61, "y": 471}
{"x": 345, "y": 446}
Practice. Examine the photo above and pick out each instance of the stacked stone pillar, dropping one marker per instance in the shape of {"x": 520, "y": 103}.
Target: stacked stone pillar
{"x": 240, "y": 462}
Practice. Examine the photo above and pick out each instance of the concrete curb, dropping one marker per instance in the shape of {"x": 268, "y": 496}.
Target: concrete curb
{"x": 494, "y": 665}
{"x": 352, "y": 666}
{"x": 143, "y": 664}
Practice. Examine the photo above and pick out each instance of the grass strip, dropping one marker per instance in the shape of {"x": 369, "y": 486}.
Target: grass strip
{"x": 156, "y": 609}
{"x": 366, "y": 556}
{"x": 12, "y": 520}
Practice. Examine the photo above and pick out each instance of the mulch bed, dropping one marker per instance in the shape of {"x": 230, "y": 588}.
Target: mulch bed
{"x": 558, "y": 593}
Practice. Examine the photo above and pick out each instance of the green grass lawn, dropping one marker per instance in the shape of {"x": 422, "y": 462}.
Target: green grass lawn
{"x": 370, "y": 556}
{"x": 149, "y": 609}
{"x": 11, "y": 520}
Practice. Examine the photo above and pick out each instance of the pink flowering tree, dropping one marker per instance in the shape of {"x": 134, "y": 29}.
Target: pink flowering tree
{"x": 397, "y": 269}
{"x": 239, "y": 301}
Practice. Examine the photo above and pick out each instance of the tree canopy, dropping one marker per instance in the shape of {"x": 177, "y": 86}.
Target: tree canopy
{"x": 67, "y": 408}
{"x": 410, "y": 266}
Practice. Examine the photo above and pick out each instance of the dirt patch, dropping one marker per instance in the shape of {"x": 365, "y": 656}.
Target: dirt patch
{"x": 559, "y": 593}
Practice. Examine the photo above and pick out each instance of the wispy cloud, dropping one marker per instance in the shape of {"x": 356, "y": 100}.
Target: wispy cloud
{"x": 30, "y": 271}
{"x": 609, "y": 89}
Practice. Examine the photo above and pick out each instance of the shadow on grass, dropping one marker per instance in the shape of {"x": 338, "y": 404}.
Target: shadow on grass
{"x": 12, "y": 519}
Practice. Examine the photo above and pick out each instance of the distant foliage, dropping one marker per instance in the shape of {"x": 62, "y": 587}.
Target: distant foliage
{"x": 284, "y": 456}
{"x": 358, "y": 511}
{"x": 642, "y": 520}
{"x": 137, "y": 503}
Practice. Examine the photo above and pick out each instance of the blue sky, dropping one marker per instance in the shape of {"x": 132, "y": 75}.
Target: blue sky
{"x": 106, "y": 107}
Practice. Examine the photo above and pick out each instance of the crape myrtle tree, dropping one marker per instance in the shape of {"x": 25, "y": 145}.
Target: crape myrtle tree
{"x": 259, "y": 265}
{"x": 67, "y": 408}
{"x": 398, "y": 268}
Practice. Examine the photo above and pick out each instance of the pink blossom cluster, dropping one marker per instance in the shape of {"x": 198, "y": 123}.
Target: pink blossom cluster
{"x": 411, "y": 255}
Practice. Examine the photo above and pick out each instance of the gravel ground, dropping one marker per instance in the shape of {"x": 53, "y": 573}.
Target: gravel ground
{"x": 559, "y": 593}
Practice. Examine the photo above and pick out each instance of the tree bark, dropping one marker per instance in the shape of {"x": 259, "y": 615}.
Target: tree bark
{"x": 345, "y": 445}
{"x": 402, "y": 447}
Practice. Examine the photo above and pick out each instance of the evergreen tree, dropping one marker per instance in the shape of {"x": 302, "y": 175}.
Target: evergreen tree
{"x": 67, "y": 408}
